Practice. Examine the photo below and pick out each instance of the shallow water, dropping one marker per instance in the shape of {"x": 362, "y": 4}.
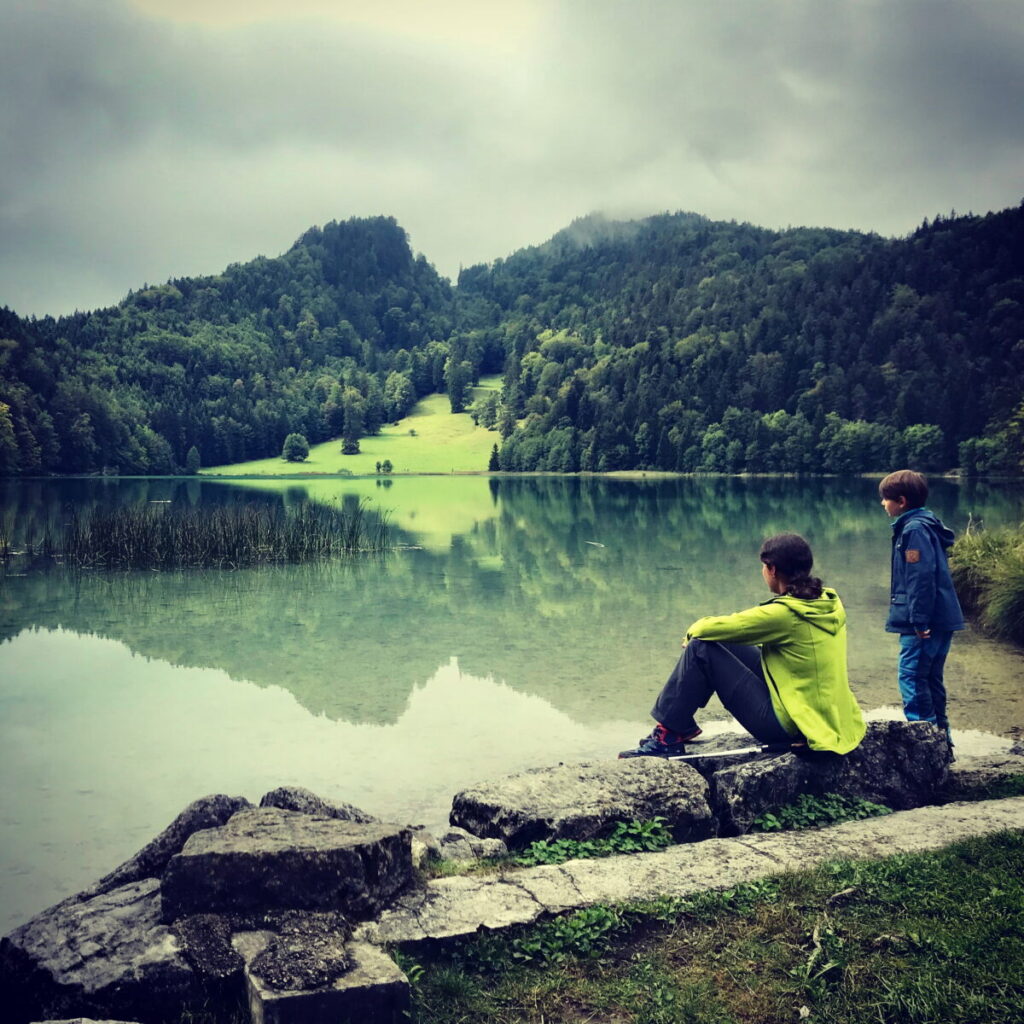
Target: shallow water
{"x": 521, "y": 622}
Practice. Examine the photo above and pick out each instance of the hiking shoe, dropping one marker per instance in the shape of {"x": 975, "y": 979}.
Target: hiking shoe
{"x": 662, "y": 743}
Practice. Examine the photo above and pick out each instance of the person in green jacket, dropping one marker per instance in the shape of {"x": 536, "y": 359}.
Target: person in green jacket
{"x": 778, "y": 668}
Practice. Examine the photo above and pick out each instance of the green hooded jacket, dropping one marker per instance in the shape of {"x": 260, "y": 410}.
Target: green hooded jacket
{"x": 803, "y": 654}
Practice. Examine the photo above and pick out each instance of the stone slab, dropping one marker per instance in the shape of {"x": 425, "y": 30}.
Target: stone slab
{"x": 451, "y": 908}
{"x": 109, "y": 955}
{"x": 372, "y": 988}
{"x": 585, "y": 801}
{"x": 268, "y": 858}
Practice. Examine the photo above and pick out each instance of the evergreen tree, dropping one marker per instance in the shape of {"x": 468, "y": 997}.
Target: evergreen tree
{"x": 192, "y": 461}
{"x": 295, "y": 449}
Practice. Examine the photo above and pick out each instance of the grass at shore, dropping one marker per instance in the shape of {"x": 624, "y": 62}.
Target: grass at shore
{"x": 914, "y": 938}
{"x": 431, "y": 439}
{"x": 988, "y": 570}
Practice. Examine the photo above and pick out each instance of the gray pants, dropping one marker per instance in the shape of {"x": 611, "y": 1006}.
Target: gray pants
{"x": 733, "y": 671}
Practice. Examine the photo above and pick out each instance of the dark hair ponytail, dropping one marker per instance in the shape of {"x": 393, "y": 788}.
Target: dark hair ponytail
{"x": 791, "y": 556}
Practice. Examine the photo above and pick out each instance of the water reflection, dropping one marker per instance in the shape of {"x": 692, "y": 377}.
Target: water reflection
{"x": 573, "y": 590}
{"x": 101, "y": 749}
{"x": 125, "y": 695}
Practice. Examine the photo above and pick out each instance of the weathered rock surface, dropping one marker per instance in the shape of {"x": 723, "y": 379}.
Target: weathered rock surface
{"x": 584, "y": 801}
{"x": 314, "y": 977}
{"x": 1017, "y": 748}
{"x": 451, "y": 908}
{"x": 899, "y": 764}
{"x": 458, "y": 844}
{"x": 424, "y": 846}
{"x": 110, "y": 954}
{"x": 152, "y": 859}
{"x": 974, "y": 776}
{"x": 268, "y": 858}
{"x": 295, "y": 798}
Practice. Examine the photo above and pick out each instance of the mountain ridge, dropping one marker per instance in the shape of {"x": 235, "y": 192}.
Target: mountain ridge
{"x": 624, "y": 344}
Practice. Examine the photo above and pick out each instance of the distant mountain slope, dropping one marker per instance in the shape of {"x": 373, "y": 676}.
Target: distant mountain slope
{"x": 233, "y": 363}
{"x": 680, "y": 343}
{"x": 673, "y": 342}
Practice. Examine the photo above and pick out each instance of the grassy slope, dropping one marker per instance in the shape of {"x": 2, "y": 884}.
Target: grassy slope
{"x": 443, "y": 443}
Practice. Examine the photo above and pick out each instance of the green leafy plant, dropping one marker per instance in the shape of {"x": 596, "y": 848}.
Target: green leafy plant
{"x": 627, "y": 837}
{"x": 809, "y": 811}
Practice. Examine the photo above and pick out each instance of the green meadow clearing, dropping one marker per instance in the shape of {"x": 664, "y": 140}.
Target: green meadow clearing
{"x": 431, "y": 439}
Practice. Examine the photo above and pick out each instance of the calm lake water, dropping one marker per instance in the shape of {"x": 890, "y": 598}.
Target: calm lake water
{"x": 523, "y": 622}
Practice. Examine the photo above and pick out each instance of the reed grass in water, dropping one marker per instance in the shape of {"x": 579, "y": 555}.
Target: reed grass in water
{"x": 165, "y": 537}
{"x": 988, "y": 571}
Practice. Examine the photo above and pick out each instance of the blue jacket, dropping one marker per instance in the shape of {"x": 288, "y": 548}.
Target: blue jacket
{"x": 921, "y": 594}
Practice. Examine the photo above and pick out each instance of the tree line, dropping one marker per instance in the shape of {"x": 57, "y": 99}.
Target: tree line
{"x": 673, "y": 343}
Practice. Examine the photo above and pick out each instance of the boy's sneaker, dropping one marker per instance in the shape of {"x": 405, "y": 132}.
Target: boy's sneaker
{"x": 662, "y": 743}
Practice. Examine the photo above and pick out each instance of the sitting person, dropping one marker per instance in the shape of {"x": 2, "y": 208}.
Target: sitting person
{"x": 778, "y": 668}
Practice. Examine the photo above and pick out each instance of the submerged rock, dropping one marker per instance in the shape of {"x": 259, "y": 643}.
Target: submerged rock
{"x": 585, "y": 801}
{"x": 268, "y": 858}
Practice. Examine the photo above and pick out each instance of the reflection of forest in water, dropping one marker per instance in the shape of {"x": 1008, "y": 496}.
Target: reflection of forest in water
{"x": 575, "y": 590}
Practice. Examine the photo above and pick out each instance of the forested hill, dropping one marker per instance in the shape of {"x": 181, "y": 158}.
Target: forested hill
{"x": 673, "y": 342}
{"x": 680, "y": 343}
{"x": 230, "y": 364}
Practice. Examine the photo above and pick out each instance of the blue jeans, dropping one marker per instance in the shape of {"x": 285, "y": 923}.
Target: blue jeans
{"x": 920, "y": 677}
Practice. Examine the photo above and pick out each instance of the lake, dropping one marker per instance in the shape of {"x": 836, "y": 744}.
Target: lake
{"x": 518, "y": 622}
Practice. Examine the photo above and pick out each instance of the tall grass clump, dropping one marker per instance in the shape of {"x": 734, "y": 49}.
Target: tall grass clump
{"x": 168, "y": 537}
{"x": 988, "y": 571}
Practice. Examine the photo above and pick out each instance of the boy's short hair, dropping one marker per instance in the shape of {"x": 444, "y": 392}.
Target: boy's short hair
{"x": 905, "y": 483}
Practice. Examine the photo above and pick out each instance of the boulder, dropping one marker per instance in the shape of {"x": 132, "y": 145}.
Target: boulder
{"x": 152, "y": 859}
{"x": 899, "y": 764}
{"x": 109, "y": 956}
{"x": 585, "y": 801}
{"x": 425, "y": 846}
{"x": 973, "y": 778}
{"x": 1017, "y": 748}
{"x": 313, "y": 976}
{"x": 295, "y": 798}
{"x": 272, "y": 859}
{"x": 458, "y": 844}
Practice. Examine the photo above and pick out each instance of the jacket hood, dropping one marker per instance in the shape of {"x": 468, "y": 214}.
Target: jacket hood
{"x": 825, "y": 612}
{"x": 943, "y": 534}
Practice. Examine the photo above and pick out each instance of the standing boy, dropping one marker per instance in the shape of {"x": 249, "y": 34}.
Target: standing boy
{"x": 923, "y": 607}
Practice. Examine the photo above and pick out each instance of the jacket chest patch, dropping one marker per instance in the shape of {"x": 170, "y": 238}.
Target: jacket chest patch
{"x": 912, "y": 555}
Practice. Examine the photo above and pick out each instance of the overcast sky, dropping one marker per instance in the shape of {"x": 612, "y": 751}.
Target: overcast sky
{"x": 145, "y": 139}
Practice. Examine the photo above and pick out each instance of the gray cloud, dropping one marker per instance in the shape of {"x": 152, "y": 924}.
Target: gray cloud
{"x": 137, "y": 148}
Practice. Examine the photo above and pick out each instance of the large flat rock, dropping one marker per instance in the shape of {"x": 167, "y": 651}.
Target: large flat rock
{"x": 269, "y": 858}
{"x": 454, "y": 908}
{"x": 584, "y": 801}
{"x": 109, "y": 956}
